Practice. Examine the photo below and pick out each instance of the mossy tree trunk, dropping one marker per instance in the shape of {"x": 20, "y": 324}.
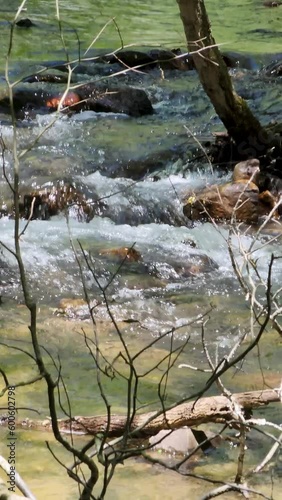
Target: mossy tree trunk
{"x": 251, "y": 138}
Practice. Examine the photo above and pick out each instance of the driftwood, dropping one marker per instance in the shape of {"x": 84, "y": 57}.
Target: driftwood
{"x": 217, "y": 409}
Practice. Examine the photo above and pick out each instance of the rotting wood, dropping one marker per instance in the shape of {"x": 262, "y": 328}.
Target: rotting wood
{"x": 216, "y": 409}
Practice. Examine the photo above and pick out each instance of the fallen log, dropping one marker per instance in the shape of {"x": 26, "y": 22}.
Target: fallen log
{"x": 218, "y": 409}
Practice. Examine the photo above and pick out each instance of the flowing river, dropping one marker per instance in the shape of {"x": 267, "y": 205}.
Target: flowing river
{"x": 140, "y": 169}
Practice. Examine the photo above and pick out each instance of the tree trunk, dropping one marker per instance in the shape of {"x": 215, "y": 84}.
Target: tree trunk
{"x": 251, "y": 139}
{"x": 211, "y": 409}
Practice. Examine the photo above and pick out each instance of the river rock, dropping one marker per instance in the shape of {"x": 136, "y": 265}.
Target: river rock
{"x": 273, "y": 184}
{"x": 127, "y": 100}
{"x": 242, "y": 194}
{"x": 128, "y": 58}
{"x": 177, "y": 441}
{"x": 183, "y": 440}
{"x": 158, "y": 57}
{"x": 172, "y": 59}
{"x": 51, "y": 200}
{"x": 129, "y": 254}
{"x": 76, "y": 309}
{"x": 25, "y": 23}
{"x": 270, "y": 3}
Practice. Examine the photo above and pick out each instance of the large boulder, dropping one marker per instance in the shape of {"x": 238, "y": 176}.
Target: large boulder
{"x": 239, "y": 199}
{"x": 128, "y": 100}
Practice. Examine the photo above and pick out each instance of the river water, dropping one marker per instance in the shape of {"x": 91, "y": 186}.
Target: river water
{"x": 141, "y": 169}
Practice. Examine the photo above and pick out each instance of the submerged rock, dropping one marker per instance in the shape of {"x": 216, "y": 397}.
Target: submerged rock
{"x": 25, "y": 23}
{"x": 179, "y": 270}
{"x": 8, "y": 277}
{"x": 76, "y": 309}
{"x": 124, "y": 253}
{"x": 129, "y": 58}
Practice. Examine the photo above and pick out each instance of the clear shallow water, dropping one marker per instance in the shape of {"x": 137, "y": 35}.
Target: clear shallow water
{"x": 104, "y": 155}
{"x": 243, "y": 25}
{"x": 146, "y": 482}
{"x": 64, "y": 339}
